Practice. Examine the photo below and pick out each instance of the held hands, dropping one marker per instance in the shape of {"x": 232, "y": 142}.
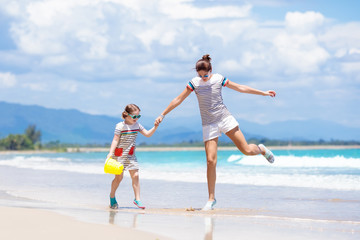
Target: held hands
{"x": 158, "y": 120}
{"x": 156, "y": 125}
{"x": 270, "y": 93}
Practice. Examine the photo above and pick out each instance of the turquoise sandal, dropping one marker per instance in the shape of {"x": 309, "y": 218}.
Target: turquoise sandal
{"x": 139, "y": 204}
{"x": 113, "y": 203}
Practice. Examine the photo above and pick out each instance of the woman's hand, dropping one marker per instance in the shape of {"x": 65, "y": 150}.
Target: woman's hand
{"x": 270, "y": 93}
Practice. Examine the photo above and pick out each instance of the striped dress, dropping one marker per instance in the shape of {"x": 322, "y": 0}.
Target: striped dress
{"x": 208, "y": 93}
{"x": 125, "y": 151}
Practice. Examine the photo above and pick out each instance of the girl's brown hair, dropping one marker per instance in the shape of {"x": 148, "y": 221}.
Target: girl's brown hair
{"x": 204, "y": 64}
{"x": 130, "y": 108}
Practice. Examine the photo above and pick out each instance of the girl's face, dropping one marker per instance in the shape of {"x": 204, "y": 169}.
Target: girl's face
{"x": 205, "y": 75}
{"x": 132, "y": 118}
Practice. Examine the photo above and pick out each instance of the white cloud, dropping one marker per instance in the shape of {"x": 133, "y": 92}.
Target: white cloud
{"x": 299, "y": 53}
{"x": 339, "y": 36}
{"x": 303, "y": 22}
{"x": 183, "y": 9}
{"x": 69, "y": 86}
{"x": 97, "y": 44}
{"x": 230, "y": 30}
{"x": 351, "y": 67}
{"x": 36, "y": 86}
{"x": 55, "y": 60}
{"x": 12, "y": 8}
{"x": 298, "y": 48}
{"x": 153, "y": 69}
{"x": 45, "y": 13}
{"x": 7, "y": 80}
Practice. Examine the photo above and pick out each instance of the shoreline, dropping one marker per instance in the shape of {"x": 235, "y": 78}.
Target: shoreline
{"x": 43, "y": 224}
{"x": 173, "y": 149}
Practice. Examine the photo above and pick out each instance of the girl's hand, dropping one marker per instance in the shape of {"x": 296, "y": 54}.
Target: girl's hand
{"x": 270, "y": 93}
{"x": 109, "y": 155}
{"x": 158, "y": 120}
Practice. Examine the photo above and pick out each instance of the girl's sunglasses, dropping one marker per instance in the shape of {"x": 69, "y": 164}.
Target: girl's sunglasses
{"x": 134, "y": 116}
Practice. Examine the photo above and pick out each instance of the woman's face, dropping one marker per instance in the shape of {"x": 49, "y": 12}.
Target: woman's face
{"x": 205, "y": 75}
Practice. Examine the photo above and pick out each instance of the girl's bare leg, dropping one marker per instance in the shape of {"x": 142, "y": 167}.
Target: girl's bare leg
{"x": 135, "y": 183}
{"x": 115, "y": 184}
{"x": 239, "y": 140}
{"x": 211, "y": 159}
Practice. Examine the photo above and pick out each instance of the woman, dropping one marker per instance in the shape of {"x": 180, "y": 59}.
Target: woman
{"x": 216, "y": 118}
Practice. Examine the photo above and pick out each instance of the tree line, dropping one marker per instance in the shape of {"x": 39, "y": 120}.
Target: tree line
{"x": 30, "y": 140}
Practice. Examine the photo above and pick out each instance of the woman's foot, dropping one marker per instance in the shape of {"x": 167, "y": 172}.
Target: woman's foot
{"x": 268, "y": 154}
{"x": 209, "y": 205}
{"x": 139, "y": 204}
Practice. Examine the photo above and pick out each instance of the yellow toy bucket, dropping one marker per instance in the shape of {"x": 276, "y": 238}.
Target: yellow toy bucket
{"x": 113, "y": 167}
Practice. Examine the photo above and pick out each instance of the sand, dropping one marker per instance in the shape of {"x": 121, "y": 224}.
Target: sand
{"x": 26, "y": 223}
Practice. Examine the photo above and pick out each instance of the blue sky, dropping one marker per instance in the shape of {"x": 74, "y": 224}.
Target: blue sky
{"x": 99, "y": 55}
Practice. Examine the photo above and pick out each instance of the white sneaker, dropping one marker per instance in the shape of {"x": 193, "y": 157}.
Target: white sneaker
{"x": 268, "y": 154}
{"x": 209, "y": 205}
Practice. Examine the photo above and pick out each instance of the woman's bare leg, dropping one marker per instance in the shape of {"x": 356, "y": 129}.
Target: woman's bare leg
{"x": 240, "y": 142}
{"x": 211, "y": 159}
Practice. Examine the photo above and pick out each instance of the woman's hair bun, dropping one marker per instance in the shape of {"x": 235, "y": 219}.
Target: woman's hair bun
{"x": 206, "y": 57}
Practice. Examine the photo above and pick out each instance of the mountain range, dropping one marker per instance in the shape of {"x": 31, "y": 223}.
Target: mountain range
{"x": 73, "y": 126}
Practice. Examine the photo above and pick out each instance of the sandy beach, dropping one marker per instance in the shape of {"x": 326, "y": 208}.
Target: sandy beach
{"x": 29, "y": 223}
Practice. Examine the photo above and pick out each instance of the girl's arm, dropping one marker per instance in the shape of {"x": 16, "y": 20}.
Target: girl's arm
{"x": 113, "y": 145}
{"x": 247, "y": 89}
{"x": 149, "y": 133}
{"x": 173, "y": 104}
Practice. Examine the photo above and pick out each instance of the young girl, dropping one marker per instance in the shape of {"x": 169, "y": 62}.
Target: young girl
{"x": 216, "y": 118}
{"x": 123, "y": 150}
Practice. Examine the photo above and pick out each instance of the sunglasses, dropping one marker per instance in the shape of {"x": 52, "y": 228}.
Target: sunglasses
{"x": 134, "y": 116}
{"x": 205, "y": 76}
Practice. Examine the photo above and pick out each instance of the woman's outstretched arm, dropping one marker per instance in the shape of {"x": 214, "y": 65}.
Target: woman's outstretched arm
{"x": 247, "y": 89}
{"x": 173, "y": 104}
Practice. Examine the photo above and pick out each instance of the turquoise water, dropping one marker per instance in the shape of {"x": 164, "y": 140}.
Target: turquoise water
{"x": 330, "y": 169}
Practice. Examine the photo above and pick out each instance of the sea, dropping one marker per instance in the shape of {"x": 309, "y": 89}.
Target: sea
{"x": 318, "y": 188}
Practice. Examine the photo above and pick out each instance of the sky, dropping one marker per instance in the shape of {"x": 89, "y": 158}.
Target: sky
{"x": 96, "y": 56}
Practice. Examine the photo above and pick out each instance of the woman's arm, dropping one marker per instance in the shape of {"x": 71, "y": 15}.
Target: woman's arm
{"x": 247, "y": 89}
{"x": 173, "y": 104}
{"x": 149, "y": 133}
{"x": 113, "y": 145}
